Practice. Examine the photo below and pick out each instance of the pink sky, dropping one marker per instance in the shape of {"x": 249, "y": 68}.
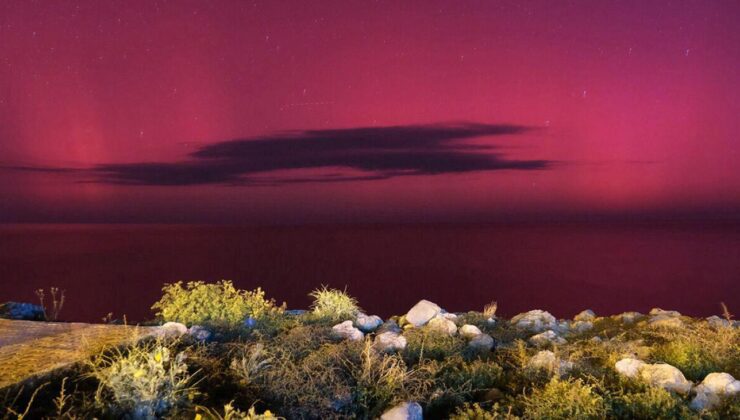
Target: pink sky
{"x": 634, "y": 103}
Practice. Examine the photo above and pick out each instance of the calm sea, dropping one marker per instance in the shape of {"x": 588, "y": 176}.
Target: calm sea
{"x": 562, "y": 268}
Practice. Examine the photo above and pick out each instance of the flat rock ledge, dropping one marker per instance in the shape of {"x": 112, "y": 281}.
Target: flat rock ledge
{"x": 30, "y": 349}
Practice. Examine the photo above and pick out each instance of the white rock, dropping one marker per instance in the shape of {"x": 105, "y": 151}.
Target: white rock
{"x": 491, "y": 321}
{"x": 630, "y": 317}
{"x": 536, "y": 321}
{"x": 422, "y": 312}
{"x": 665, "y": 321}
{"x": 582, "y": 326}
{"x": 547, "y": 360}
{"x": 658, "y": 311}
{"x": 469, "y": 331}
{"x": 482, "y": 343}
{"x": 716, "y": 322}
{"x": 712, "y": 389}
{"x": 172, "y": 329}
{"x": 443, "y": 325}
{"x": 629, "y": 367}
{"x": 448, "y": 315}
{"x": 200, "y": 333}
{"x": 665, "y": 376}
{"x": 347, "y": 331}
{"x": 367, "y": 323}
{"x": 587, "y": 315}
{"x": 545, "y": 338}
{"x": 404, "y": 411}
{"x": 389, "y": 342}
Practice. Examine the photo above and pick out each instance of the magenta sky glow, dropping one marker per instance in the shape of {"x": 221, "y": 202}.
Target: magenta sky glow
{"x": 273, "y": 112}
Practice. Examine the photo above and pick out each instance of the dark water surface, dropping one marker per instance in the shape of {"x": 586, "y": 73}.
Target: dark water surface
{"x": 562, "y": 268}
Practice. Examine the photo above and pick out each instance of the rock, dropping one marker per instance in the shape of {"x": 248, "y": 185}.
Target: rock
{"x": 171, "y": 330}
{"x": 389, "y": 326}
{"x": 665, "y": 376}
{"x": 199, "y": 333}
{"x": 346, "y": 331}
{"x": 447, "y": 315}
{"x": 535, "y": 321}
{"x": 547, "y": 360}
{"x": 422, "y": 313}
{"x": 250, "y": 322}
{"x": 587, "y": 315}
{"x": 665, "y": 321}
{"x": 367, "y": 323}
{"x": 712, "y": 388}
{"x": 545, "y": 338}
{"x": 389, "y": 342}
{"x": 404, "y": 411}
{"x": 659, "y": 374}
{"x": 22, "y": 311}
{"x": 630, "y": 317}
{"x": 629, "y": 367}
{"x": 470, "y": 331}
{"x": 443, "y": 325}
{"x": 482, "y": 343}
{"x": 716, "y": 322}
{"x": 580, "y": 327}
{"x": 658, "y": 311}
{"x": 491, "y": 321}
{"x": 596, "y": 339}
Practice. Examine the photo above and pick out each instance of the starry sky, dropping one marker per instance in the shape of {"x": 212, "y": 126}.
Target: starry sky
{"x": 360, "y": 111}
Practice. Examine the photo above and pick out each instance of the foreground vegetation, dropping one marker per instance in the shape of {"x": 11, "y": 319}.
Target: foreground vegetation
{"x": 225, "y": 353}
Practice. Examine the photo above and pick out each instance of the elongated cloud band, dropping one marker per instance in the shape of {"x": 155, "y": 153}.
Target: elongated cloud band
{"x": 364, "y": 153}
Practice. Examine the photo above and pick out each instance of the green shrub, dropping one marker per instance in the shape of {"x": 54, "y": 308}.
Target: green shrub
{"x": 476, "y": 412}
{"x": 333, "y": 304}
{"x": 651, "y": 403}
{"x": 700, "y": 351}
{"x": 564, "y": 399}
{"x": 212, "y": 303}
{"x": 231, "y": 413}
{"x": 144, "y": 381}
{"x": 425, "y": 343}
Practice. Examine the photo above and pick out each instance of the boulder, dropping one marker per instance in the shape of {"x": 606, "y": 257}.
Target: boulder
{"x": 470, "y": 331}
{"x": 665, "y": 321}
{"x": 659, "y": 374}
{"x": 545, "y": 338}
{"x": 389, "y": 342}
{"x": 346, "y": 331}
{"x": 547, "y": 360}
{"x": 443, "y": 325}
{"x": 658, "y": 311}
{"x": 367, "y": 323}
{"x": 200, "y": 333}
{"x": 171, "y": 330}
{"x": 22, "y": 311}
{"x": 587, "y": 315}
{"x": 713, "y": 388}
{"x": 665, "y": 376}
{"x": 716, "y": 322}
{"x": 482, "y": 343}
{"x": 580, "y": 327}
{"x": 422, "y": 313}
{"x": 629, "y": 367}
{"x": 404, "y": 411}
{"x": 630, "y": 317}
{"x": 535, "y": 321}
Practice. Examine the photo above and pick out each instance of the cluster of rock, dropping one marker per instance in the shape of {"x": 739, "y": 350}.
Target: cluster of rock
{"x": 708, "y": 393}
{"x": 389, "y": 335}
{"x": 22, "y": 311}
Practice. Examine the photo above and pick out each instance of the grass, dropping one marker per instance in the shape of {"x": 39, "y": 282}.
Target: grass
{"x": 286, "y": 366}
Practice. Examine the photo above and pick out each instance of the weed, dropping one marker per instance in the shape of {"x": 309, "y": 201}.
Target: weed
{"x": 333, "y": 304}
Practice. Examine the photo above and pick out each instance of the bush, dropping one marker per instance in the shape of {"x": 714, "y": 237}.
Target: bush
{"x": 425, "y": 343}
{"x": 231, "y": 413}
{"x": 145, "y": 381}
{"x": 651, "y": 403}
{"x": 333, "y": 304}
{"x": 564, "y": 399}
{"x": 476, "y": 412}
{"x": 214, "y": 303}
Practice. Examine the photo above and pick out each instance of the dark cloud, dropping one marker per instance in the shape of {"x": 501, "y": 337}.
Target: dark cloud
{"x": 376, "y": 152}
